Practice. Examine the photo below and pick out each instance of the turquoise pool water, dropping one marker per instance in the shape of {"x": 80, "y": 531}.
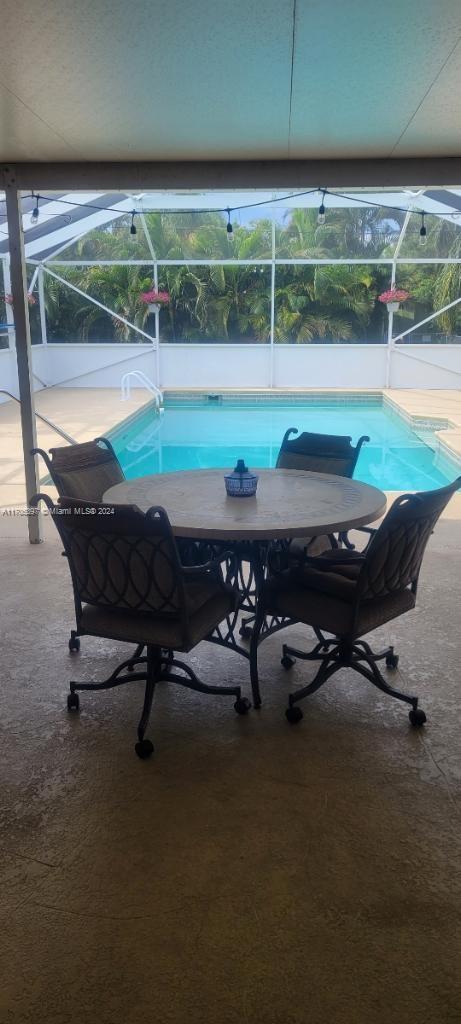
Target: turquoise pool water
{"x": 199, "y": 434}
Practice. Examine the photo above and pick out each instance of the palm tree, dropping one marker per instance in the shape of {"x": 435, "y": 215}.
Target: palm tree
{"x": 225, "y": 301}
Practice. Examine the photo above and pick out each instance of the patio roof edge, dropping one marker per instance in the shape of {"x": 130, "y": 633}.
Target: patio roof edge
{"x": 212, "y": 174}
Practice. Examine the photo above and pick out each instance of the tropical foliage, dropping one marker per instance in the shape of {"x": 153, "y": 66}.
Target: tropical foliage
{"x": 231, "y": 301}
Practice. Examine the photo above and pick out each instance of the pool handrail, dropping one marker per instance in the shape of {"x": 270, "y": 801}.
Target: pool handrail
{"x": 125, "y": 386}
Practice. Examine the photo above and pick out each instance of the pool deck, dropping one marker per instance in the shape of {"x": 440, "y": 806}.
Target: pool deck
{"x": 85, "y": 413}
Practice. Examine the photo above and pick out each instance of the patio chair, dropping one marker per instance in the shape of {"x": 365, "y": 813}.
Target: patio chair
{"x": 319, "y": 453}
{"x": 316, "y": 453}
{"x": 353, "y": 595}
{"x": 84, "y": 470}
{"x": 129, "y": 585}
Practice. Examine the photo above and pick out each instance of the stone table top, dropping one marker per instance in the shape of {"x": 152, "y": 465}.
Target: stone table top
{"x": 288, "y": 503}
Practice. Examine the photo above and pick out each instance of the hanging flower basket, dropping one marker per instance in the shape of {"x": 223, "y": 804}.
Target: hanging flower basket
{"x": 30, "y": 298}
{"x": 393, "y": 297}
{"x": 154, "y": 300}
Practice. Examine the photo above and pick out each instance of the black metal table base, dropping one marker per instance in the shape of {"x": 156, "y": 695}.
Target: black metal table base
{"x": 245, "y": 570}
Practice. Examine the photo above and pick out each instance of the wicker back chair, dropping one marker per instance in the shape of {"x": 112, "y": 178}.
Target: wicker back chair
{"x": 319, "y": 453}
{"x": 350, "y": 596}
{"x": 129, "y": 585}
{"x": 84, "y": 470}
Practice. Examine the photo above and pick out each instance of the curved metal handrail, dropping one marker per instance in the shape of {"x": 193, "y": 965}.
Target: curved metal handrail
{"x": 144, "y": 379}
{"x": 44, "y": 419}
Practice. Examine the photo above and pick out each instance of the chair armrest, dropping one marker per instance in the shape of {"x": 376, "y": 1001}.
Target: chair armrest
{"x": 211, "y": 568}
{"x": 331, "y": 564}
{"x": 370, "y": 530}
{"x": 44, "y": 456}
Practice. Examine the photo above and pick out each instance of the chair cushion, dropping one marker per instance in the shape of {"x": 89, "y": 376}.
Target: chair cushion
{"x": 208, "y": 603}
{"x": 311, "y": 546}
{"x": 326, "y": 600}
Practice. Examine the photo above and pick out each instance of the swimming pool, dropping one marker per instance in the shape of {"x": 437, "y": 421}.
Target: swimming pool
{"x": 201, "y": 431}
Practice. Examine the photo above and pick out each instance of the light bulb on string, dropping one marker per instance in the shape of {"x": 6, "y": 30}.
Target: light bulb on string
{"x": 422, "y": 232}
{"x": 133, "y": 230}
{"x": 229, "y": 228}
{"x": 35, "y": 212}
{"x": 321, "y": 213}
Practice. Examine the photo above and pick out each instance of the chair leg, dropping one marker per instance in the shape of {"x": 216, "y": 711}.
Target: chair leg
{"x": 167, "y": 656}
{"x": 191, "y": 682}
{"x": 371, "y": 672}
{"x": 388, "y": 654}
{"x": 74, "y": 641}
{"x": 289, "y": 654}
{"x": 136, "y": 657}
{"x": 157, "y": 665}
{"x": 358, "y": 656}
{"x": 325, "y": 670}
{"x": 144, "y": 748}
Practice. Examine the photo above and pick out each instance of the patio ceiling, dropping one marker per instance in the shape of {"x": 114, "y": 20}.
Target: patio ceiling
{"x": 282, "y": 80}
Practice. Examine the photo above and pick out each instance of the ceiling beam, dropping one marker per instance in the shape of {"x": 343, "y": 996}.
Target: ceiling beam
{"x": 289, "y": 174}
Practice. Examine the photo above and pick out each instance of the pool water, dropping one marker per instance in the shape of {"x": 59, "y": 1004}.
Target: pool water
{"x": 199, "y": 434}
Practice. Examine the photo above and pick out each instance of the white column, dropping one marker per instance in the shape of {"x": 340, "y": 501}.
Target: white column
{"x": 271, "y": 370}
{"x": 42, "y": 307}
{"x": 9, "y": 309}
{"x": 157, "y": 331}
{"x": 157, "y": 314}
{"x": 23, "y": 349}
{"x": 390, "y": 322}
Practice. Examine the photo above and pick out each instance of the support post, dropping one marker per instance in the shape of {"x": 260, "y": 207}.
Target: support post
{"x": 9, "y": 312}
{"x": 157, "y": 330}
{"x": 390, "y": 347}
{"x": 23, "y": 349}
{"x": 390, "y": 320}
{"x": 42, "y": 307}
{"x": 272, "y": 327}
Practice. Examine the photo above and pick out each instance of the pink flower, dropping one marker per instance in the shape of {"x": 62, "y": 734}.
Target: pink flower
{"x": 30, "y": 298}
{"x": 394, "y": 295}
{"x": 155, "y": 297}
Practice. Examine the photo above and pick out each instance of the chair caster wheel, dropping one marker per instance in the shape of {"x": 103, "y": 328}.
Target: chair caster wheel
{"x": 245, "y": 632}
{"x": 417, "y": 717}
{"x": 74, "y": 643}
{"x": 144, "y": 749}
{"x": 287, "y": 662}
{"x": 293, "y": 715}
{"x": 73, "y": 702}
{"x": 392, "y": 660}
{"x": 242, "y": 706}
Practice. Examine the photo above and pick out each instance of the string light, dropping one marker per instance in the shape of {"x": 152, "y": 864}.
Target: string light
{"x": 35, "y": 212}
{"x": 247, "y": 206}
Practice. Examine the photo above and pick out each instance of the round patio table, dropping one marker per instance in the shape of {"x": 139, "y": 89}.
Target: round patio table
{"x": 289, "y": 503}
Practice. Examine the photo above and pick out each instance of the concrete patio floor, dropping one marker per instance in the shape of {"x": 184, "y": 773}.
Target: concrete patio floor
{"x": 250, "y": 871}
{"x": 84, "y": 413}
